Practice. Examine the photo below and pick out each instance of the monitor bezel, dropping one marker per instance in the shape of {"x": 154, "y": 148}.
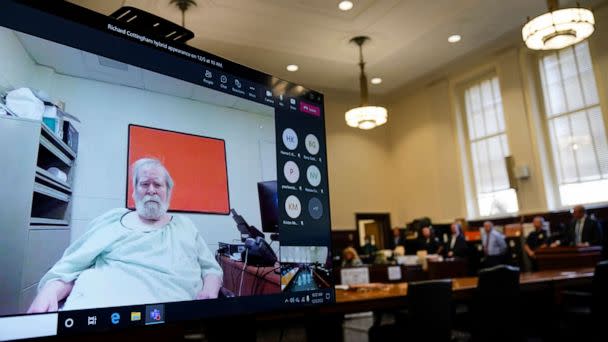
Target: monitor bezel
{"x": 89, "y": 21}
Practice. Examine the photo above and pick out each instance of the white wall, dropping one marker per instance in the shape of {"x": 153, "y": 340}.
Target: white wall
{"x": 106, "y": 110}
{"x": 413, "y": 166}
{"x": 17, "y": 69}
{"x": 426, "y": 172}
{"x": 426, "y": 141}
{"x": 359, "y": 164}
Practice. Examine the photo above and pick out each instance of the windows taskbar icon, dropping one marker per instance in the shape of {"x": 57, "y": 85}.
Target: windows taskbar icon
{"x": 155, "y": 314}
{"x": 135, "y": 316}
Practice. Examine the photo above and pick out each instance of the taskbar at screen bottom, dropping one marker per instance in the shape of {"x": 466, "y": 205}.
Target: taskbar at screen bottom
{"x": 106, "y": 319}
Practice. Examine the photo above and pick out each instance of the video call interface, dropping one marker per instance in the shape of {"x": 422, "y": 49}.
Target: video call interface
{"x": 139, "y": 198}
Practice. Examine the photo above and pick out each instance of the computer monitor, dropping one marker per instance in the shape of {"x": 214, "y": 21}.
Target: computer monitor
{"x": 269, "y": 206}
{"x": 122, "y": 156}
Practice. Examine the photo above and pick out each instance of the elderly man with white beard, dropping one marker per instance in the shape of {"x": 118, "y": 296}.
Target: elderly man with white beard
{"x": 133, "y": 257}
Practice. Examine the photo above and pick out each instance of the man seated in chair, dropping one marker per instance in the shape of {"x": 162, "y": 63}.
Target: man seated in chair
{"x": 133, "y": 257}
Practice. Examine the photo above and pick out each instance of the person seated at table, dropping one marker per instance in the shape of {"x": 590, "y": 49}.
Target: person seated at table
{"x": 583, "y": 231}
{"x": 494, "y": 245}
{"x": 457, "y": 247}
{"x": 369, "y": 248}
{"x": 536, "y": 239}
{"x": 350, "y": 258}
{"x": 398, "y": 239}
{"x": 429, "y": 242}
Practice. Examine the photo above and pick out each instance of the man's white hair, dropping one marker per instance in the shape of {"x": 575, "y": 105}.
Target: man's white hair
{"x": 145, "y": 163}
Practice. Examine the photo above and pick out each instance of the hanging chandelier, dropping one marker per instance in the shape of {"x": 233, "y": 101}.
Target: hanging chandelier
{"x": 364, "y": 116}
{"x": 183, "y": 6}
{"x": 558, "y": 28}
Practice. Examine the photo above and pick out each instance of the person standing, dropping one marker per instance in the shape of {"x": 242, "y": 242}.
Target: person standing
{"x": 494, "y": 245}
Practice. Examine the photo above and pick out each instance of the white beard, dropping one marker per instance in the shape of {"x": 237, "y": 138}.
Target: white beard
{"x": 151, "y": 207}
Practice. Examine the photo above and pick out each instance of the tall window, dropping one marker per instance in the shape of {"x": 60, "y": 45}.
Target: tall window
{"x": 489, "y": 147}
{"x": 575, "y": 125}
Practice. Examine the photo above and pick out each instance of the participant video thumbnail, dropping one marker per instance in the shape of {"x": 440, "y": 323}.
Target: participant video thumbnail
{"x": 305, "y": 268}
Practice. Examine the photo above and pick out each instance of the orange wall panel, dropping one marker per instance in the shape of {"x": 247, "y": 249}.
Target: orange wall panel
{"x": 196, "y": 164}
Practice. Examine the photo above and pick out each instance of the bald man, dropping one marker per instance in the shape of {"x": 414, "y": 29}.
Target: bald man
{"x": 582, "y": 230}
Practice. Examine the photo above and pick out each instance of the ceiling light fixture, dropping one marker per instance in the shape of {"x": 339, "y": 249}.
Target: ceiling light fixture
{"x": 345, "y": 5}
{"x": 376, "y": 80}
{"x": 455, "y": 38}
{"x": 365, "y": 116}
{"x": 558, "y": 28}
{"x": 183, "y": 6}
{"x": 292, "y": 67}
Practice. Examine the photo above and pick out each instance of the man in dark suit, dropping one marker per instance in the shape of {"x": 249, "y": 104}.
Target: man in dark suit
{"x": 583, "y": 230}
{"x": 457, "y": 246}
{"x": 398, "y": 239}
{"x": 429, "y": 242}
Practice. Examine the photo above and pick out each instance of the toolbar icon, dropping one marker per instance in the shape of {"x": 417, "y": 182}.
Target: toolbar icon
{"x": 115, "y": 318}
{"x": 135, "y": 316}
{"x": 92, "y": 320}
{"x": 155, "y": 314}
{"x": 223, "y": 79}
{"x": 237, "y": 83}
{"x": 69, "y": 322}
{"x": 208, "y": 74}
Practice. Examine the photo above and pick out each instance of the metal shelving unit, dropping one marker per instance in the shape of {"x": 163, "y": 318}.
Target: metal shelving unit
{"x": 36, "y": 218}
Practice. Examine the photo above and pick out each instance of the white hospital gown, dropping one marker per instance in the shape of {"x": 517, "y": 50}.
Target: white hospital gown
{"x": 113, "y": 265}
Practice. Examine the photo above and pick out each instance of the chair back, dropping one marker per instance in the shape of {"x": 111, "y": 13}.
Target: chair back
{"x": 496, "y": 306}
{"x": 430, "y": 309}
{"x": 599, "y": 303}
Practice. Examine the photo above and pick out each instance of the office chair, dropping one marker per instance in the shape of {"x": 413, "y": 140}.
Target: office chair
{"x": 604, "y": 227}
{"x": 430, "y": 309}
{"x": 428, "y": 317}
{"x": 496, "y": 305}
{"x": 584, "y": 314}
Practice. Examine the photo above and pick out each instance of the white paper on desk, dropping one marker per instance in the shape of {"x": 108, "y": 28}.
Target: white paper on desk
{"x": 355, "y": 275}
{"x": 394, "y": 273}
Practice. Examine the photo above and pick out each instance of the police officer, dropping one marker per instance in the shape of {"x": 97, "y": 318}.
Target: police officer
{"x": 537, "y": 239}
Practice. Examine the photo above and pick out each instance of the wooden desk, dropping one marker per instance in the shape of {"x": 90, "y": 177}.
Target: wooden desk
{"x": 379, "y": 273}
{"x": 376, "y": 296}
{"x": 567, "y": 257}
{"x": 448, "y": 268}
{"x": 256, "y": 280}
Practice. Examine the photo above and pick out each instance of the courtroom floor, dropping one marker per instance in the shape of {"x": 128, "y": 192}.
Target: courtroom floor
{"x": 356, "y": 328}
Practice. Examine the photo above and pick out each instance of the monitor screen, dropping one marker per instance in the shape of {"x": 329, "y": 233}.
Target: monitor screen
{"x": 269, "y": 206}
{"x": 143, "y": 178}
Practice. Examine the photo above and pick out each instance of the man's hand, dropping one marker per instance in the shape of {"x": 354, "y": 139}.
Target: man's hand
{"x": 583, "y": 244}
{"x": 211, "y": 287}
{"x": 49, "y": 296}
{"x": 450, "y": 254}
{"x": 532, "y": 255}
